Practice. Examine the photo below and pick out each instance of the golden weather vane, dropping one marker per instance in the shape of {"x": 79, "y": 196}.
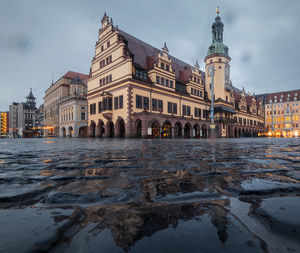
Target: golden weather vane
{"x": 218, "y": 10}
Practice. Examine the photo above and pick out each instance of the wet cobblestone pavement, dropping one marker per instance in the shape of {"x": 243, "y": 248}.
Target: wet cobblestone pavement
{"x": 177, "y": 195}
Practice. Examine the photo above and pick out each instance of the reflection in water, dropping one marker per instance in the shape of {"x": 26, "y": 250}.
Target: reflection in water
{"x": 155, "y": 195}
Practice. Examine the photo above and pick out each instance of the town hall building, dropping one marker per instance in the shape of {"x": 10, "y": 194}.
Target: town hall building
{"x": 137, "y": 90}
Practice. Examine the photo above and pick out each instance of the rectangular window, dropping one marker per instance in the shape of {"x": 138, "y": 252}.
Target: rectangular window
{"x": 162, "y": 65}
{"x": 188, "y": 111}
{"x": 167, "y": 82}
{"x": 160, "y": 106}
{"x": 109, "y": 103}
{"x": 146, "y": 103}
{"x": 167, "y": 67}
{"x": 184, "y": 110}
{"x": 174, "y": 108}
{"x": 157, "y": 79}
{"x": 116, "y": 103}
{"x": 138, "y": 102}
{"x": 99, "y": 107}
{"x": 83, "y": 116}
{"x": 169, "y": 107}
{"x": 196, "y": 112}
{"x": 100, "y": 82}
{"x": 154, "y": 104}
{"x": 121, "y": 102}
{"x": 162, "y": 81}
{"x": 171, "y": 84}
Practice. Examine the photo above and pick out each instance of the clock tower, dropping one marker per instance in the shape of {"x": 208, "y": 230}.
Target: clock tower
{"x": 218, "y": 56}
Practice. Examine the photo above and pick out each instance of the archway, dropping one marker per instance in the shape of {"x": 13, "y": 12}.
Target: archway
{"x": 166, "y": 130}
{"x": 70, "y": 131}
{"x": 120, "y": 128}
{"x": 187, "y": 130}
{"x": 100, "y": 129}
{"x": 239, "y": 132}
{"x": 196, "y": 131}
{"x": 82, "y": 131}
{"x": 92, "y": 132}
{"x": 177, "y": 129}
{"x": 138, "y": 128}
{"x": 235, "y": 133}
{"x": 155, "y": 128}
{"x": 204, "y": 131}
{"x": 63, "y": 131}
{"x": 110, "y": 129}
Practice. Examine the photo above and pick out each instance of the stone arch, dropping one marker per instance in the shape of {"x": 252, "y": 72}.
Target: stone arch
{"x": 100, "y": 131}
{"x": 166, "y": 129}
{"x": 196, "y": 131}
{"x": 138, "y": 128}
{"x": 120, "y": 128}
{"x": 63, "y": 132}
{"x": 154, "y": 124}
{"x": 235, "y": 133}
{"x": 177, "y": 130}
{"x": 70, "y": 131}
{"x": 110, "y": 129}
{"x": 204, "y": 131}
{"x": 92, "y": 129}
{"x": 187, "y": 130}
{"x": 82, "y": 131}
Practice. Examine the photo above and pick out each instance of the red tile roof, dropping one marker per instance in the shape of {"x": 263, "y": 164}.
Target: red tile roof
{"x": 145, "y": 55}
{"x": 72, "y": 75}
{"x": 283, "y": 95}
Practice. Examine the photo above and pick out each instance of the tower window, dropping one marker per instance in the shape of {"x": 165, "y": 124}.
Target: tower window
{"x": 220, "y": 60}
{"x": 220, "y": 67}
{"x": 211, "y": 61}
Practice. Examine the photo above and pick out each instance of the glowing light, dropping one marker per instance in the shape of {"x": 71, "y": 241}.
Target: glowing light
{"x": 270, "y": 133}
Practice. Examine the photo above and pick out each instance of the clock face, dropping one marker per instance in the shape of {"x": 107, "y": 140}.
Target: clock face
{"x": 227, "y": 73}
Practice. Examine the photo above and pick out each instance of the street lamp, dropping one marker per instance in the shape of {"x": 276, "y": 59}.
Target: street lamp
{"x": 211, "y": 72}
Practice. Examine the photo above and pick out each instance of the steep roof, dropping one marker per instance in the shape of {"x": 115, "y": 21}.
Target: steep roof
{"x": 145, "y": 55}
{"x": 74, "y": 75}
{"x": 283, "y": 95}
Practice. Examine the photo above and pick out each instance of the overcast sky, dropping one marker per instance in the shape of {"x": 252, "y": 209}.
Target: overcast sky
{"x": 45, "y": 37}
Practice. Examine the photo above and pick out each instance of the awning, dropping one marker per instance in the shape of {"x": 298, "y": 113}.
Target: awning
{"x": 222, "y": 108}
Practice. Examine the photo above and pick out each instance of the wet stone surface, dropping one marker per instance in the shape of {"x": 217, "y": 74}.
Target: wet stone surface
{"x": 178, "y": 195}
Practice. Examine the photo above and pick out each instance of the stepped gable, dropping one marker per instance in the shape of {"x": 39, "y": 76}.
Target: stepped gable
{"x": 144, "y": 55}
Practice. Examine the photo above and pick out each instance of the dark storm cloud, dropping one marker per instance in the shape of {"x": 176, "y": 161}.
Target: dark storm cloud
{"x": 38, "y": 38}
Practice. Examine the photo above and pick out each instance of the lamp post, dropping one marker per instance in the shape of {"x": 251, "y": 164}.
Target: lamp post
{"x": 211, "y": 72}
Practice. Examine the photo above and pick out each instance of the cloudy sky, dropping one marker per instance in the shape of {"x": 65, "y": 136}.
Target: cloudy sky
{"x": 41, "y": 38}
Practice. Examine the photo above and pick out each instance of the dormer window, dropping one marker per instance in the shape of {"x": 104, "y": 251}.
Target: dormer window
{"x": 162, "y": 65}
{"x": 167, "y": 67}
{"x": 289, "y": 95}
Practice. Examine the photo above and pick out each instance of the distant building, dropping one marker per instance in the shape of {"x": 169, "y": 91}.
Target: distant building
{"x": 137, "y": 90}
{"x": 73, "y": 111}
{"x": 13, "y": 119}
{"x": 4, "y": 124}
{"x": 39, "y": 121}
{"x": 58, "y": 92}
{"x": 282, "y": 113}
{"x": 22, "y": 117}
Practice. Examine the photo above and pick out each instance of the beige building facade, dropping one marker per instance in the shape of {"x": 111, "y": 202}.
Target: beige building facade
{"x": 282, "y": 114}
{"x": 136, "y": 90}
{"x": 63, "y": 89}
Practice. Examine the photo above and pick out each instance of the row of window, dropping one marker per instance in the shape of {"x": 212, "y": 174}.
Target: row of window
{"x": 105, "y": 62}
{"x": 274, "y": 106}
{"x": 196, "y": 92}
{"x": 164, "y": 81}
{"x": 288, "y": 99}
{"x": 67, "y": 116}
{"x": 287, "y": 111}
{"x": 196, "y": 80}
{"x": 141, "y": 74}
{"x": 107, "y": 45}
{"x": 157, "y": 105}
{"x": 105, "y": 80}
{"x": 165, "y": 66}
{"x": 247, "y": 122}
{"x": 106, "y": 104}
{"x": 284, "y": 125}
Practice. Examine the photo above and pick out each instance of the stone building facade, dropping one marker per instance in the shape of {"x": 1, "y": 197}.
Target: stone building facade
{"x": 58, "y": 91}
{"x": 282, "y": 113}
{"x": 137, "y": 90}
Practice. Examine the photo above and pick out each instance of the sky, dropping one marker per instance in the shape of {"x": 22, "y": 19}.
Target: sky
{"x": 41, "y": 39}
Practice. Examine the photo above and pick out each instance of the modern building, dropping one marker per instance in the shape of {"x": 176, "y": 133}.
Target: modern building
{"x": 73, "y": 111}
{"x": 59, "y": 90}
{"x": 282, "y": 113}
{"x": 4, "y": 124}
{"x": 137, "y": 90}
